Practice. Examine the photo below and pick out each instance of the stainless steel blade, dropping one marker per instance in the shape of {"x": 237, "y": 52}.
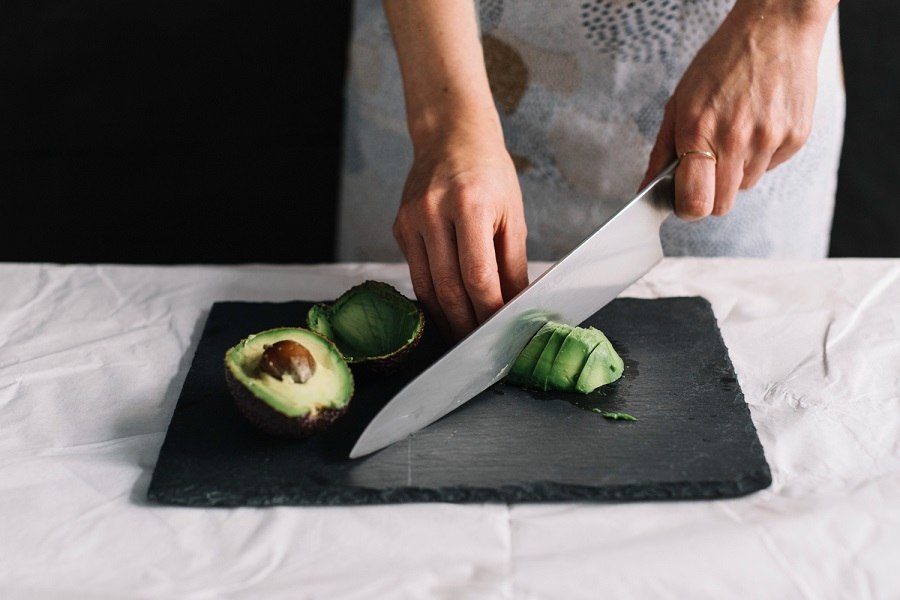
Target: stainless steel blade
{"x": 616, "y": 255}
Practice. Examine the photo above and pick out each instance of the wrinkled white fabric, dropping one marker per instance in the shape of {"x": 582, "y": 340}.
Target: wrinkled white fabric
{"x": 92, "y": 359}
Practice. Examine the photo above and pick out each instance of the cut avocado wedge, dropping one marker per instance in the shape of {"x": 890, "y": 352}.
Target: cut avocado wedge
{"x": 565, "y": 358}
{"x": 571, "y": 358}
{"x": 603, "y": 366}
{"x": 543, "y": 370}
{"x": 289, "y": 381}
{"x": 520, "y": 372}
{"x": 372, "y": 324}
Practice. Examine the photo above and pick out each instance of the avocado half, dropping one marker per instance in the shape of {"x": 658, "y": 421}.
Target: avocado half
{"x": 289, "y": 382}
{"x": 565, "y": 358}
{"x": 373, "y": 325}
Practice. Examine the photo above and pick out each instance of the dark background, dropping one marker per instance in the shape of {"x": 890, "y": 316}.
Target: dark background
{"x": 209, "y": 131}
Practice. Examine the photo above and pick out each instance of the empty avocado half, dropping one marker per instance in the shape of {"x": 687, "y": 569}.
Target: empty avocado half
{"x": 373, "y": 325}
{"x": 565, "y": 358}
{"x": 289, "y": 382}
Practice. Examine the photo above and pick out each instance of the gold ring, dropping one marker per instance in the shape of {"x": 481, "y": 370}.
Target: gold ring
{"x": 703, "y": 153}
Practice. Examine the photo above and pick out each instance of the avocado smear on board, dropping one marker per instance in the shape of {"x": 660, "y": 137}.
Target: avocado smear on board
{"x": 614, "y": 416}
{"x": 566, "y": 358}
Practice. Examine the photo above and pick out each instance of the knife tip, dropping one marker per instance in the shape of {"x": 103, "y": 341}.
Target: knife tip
{"x": 361, "y": 449}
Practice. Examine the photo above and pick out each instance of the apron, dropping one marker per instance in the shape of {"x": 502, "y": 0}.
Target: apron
{"x": 580, "y": 87}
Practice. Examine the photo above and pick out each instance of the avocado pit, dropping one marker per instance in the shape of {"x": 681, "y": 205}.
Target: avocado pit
{"x": 287, "y": 359}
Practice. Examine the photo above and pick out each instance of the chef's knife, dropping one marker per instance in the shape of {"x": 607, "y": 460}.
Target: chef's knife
{"x": 613, "y": 257}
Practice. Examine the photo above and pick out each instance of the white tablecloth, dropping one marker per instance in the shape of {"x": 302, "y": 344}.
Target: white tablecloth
{"x": 92, "y": 359}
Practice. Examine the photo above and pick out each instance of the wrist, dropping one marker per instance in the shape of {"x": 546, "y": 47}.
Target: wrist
{"x": 451, "y": 119}
{"x": 802, "y": 15}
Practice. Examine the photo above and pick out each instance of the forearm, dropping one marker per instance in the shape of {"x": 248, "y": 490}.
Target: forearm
{"x": 442, "y": 65}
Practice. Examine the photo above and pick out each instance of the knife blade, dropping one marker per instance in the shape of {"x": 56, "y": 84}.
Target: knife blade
{"x": 615, "y": 255}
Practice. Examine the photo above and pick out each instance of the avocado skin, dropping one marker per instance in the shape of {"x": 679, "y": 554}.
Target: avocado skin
{"x": 272, "y": 422}
{"x": 368, "y": 367}
{"x": 317, "y": 320}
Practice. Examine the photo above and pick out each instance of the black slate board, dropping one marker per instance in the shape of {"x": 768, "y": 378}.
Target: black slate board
{"x": 693, "y": 438}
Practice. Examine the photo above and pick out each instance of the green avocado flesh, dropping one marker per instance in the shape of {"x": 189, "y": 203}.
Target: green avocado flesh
{"x": 370, "y": 321}
{"x": 569, "y": 363}
{"x": 520, "y": 373}
{"x": 546, "y": 364}
{"x": 603, "y": 365}
{"x": 565, "y": 358}
{"x": 329, "y": 387}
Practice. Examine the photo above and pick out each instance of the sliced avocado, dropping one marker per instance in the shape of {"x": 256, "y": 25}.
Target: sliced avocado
{"x": 372, "y": 324}
{"x": 566, "y": 358}
{"x": 603, "y": 366}
{"x": 544, "y": 366}
{"x": 289, "y": 381}
{"x": 571, "y": 358}
{"x": 520, "y": 372}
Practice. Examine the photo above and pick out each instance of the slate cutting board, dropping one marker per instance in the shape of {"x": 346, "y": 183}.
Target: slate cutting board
{"x": 693, "y": 438}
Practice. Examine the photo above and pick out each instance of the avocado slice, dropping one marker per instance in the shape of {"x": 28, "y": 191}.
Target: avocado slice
{"x": 544, "y": 367}
{"x": 566, "y": 358}
{"x": 289, "y": 381}
{"x": 603, "y": 366}
{"x": 520, "y": 372}
{"x": 373, "y": 325}
{"x": 571, "y": 358}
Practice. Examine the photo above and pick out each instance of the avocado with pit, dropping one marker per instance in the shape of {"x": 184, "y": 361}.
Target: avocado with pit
{"x": 374, "y": 326}
{"x": 569, "y": 359}
{"x": 289, "y": 382}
